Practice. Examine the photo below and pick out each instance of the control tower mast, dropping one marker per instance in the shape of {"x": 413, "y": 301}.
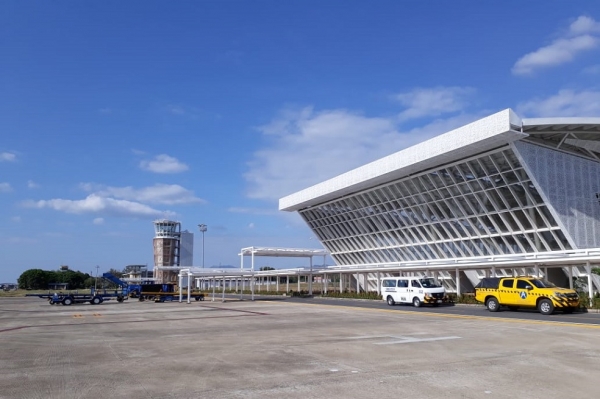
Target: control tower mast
{"x": 167, "y": 246}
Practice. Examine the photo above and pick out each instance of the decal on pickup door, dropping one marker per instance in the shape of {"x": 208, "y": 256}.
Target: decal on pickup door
{"x": 523, "y": 294}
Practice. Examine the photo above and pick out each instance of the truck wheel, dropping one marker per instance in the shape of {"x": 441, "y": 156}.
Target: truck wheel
{"x": 67, "y": 301}
{"x": 96, "y": 300}
{"x": 545, "y": 307}
{"x": 390, "y": 300}
{"x": 197, "y": 298}
{"x": 417, "y": 302}
{"x": 492, "y": 304}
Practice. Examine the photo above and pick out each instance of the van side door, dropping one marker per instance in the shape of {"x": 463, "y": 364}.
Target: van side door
{"x": 403, "y": 290}
{"x": 415, "y": 290}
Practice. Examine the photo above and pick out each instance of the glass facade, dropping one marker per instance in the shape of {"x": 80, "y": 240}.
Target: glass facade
{"x": 481, "y": 206}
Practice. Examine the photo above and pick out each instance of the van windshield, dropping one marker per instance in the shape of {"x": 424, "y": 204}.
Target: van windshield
{"x": 429, "y": 283}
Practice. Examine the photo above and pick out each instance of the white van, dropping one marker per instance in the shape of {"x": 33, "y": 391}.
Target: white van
{"x": 413, "y": 290}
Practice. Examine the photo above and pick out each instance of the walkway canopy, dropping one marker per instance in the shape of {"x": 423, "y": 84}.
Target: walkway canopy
{"x": 280, "y": 253}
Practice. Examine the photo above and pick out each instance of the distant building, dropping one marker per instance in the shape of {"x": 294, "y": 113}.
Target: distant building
{"x": 186, "y": 256}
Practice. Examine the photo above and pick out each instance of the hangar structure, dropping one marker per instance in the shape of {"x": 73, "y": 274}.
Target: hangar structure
{"x": 501, "y": 196}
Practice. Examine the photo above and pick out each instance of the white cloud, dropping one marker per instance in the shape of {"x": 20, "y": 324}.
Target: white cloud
{"x": 436, "y": 101}
{"x": 168, "y": 194}
{"x": 306, "y": 147}
{"x": 564, "y": 103}
{"x": 99, "y": 205}
{"x": 7, "y": 157}
{"x": 251, "y": 225}
{"x": 98, "y": 221}
{"x": 5, "y": 188}
{"x": 163, "y": 164}
{"x": 255, "y": 211}
{"x": 581, "y": 36}
{"x": 592, "y": 70}
{"x": 16, "y": 219}
{"x": 31, "y": 184}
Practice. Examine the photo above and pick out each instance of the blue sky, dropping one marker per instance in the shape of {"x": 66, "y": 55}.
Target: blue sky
{"x": 113, "y": 114}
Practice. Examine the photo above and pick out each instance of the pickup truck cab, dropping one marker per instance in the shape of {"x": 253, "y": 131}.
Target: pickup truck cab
{"x": 525, "y": 292}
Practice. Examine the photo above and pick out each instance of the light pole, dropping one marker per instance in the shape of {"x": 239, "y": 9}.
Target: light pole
{"x": 203, "y": 229}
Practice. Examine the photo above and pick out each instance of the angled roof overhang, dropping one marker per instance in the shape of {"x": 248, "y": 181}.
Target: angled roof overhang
{"x": 482, "y": 135}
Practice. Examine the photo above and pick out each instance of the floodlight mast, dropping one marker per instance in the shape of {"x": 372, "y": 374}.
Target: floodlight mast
{"x": 203, "y": 228}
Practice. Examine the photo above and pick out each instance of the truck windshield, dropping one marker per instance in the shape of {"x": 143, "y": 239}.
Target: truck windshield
{"x": 429, "y": 283}
{"x": 542, "y": 283}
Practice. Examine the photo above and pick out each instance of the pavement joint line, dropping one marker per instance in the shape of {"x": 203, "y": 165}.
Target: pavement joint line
{"x": 466, "y": 317}
{"x": 130, "y": 321}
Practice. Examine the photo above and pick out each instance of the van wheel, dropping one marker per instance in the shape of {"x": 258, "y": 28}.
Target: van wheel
{"x": 545, "y": 307}
{"x": 416, "y": 302}
{"x": 492, "y": 304}
{"x": 67, "y": 301}
{"x": 390, "y": 300}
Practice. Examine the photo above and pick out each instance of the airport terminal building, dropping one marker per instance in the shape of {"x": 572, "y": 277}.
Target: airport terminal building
{"x": 498, "y": 196}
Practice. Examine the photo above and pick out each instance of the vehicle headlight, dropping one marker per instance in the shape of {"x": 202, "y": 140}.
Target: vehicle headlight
{"x": 559, "y": 295}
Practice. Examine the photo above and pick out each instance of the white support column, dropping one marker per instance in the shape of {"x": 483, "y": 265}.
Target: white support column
{"x": 287, "y": 283}
{"x": 277, "y": 283}
{"x": 310, "y": 278}
{"x": 252, "y": 283}
{"x": 378, "y": 283}
{"x": 223, "y": 295}
{"x": 494, "y": 271}
{"x": 588, "y": 270}
{"x": 357, "y": 283}
{"x": 457, "y": 281}
{"x": 325, "y": 282}
{"x": 180, "y": 287}
{"x": 299, "y": 282}
{"x": 213, "y": 287}
{"x": 189, "y": 287}
{"x": 341, "y": 282}
{"x": 537, "y": 270}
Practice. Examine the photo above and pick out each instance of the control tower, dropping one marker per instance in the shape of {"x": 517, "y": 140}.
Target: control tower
{"x": 167, "y": 245}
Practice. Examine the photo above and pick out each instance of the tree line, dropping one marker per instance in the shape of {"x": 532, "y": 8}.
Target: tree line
{"x": 38, "y": 279}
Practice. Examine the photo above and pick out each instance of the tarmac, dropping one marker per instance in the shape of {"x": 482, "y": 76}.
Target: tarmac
{"x": 283, "y": 349}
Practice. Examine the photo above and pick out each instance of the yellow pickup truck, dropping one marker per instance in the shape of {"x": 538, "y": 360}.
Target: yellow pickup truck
{"x": 525, "y": 292}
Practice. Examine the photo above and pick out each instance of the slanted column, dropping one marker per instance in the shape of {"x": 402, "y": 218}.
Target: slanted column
{"x": 570, "y": 276}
